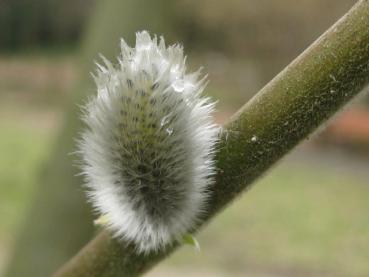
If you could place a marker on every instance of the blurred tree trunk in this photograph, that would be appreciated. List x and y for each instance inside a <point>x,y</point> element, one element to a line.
<point>60,223</point>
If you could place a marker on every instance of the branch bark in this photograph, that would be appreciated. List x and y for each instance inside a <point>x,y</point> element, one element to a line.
<point>307,92</point>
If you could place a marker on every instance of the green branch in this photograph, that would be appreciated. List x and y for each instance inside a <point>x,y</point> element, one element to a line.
<point>327,75</point>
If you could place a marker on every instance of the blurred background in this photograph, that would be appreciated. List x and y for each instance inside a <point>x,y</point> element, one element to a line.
<point>307,217</point>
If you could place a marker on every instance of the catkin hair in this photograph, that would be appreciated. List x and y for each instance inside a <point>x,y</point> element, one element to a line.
<point>148,146</point>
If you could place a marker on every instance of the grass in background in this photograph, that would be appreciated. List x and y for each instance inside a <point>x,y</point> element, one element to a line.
<point>297,221</point>
<point>32,88</point>
<point>23,149</point>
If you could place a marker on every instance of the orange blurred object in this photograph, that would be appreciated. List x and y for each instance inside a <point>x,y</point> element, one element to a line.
<point>351,127</point>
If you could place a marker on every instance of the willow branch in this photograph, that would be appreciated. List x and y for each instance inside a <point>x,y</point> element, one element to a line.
<point>307,92</point>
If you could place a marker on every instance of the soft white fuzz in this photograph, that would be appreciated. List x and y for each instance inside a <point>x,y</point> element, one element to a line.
<point>148,149</point>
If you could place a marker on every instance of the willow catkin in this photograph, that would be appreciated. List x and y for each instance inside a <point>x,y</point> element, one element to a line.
<point>148,147</point>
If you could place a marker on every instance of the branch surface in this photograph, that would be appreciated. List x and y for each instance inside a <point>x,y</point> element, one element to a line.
<point>306,93</point>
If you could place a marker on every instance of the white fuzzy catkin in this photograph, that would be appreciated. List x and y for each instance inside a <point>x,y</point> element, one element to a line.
<point>148,149</point>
